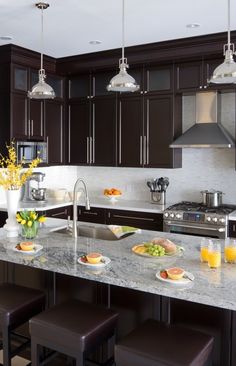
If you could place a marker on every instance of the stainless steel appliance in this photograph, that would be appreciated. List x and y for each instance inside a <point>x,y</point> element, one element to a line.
<point>158,189</point>
<point>212,198</point>
<point>29,150</point>
<point>192,218</point>
<point>34,194</point>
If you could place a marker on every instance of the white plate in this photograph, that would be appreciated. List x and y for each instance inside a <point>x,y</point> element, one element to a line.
<point>104,262</point>
<point>37,248</point>
<point>178,252</point>
<point>182,281</point>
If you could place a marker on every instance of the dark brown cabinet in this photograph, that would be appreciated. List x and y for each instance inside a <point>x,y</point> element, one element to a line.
<point>95,214</point>
<point>158,79</point>
<point>59,213</point>
<point>26,118</point>
<point>92,121</point>
<point>147,126</point>
<point>192,76</point>
<point>142,220</point>
<point>54,131</point>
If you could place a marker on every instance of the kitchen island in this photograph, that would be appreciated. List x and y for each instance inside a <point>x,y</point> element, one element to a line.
<point>60,254</point>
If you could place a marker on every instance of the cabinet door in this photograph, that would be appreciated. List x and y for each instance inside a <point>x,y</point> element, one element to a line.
<point>142,220</point>
<point>20,79</point>
<point>95,214</point>
<point>60,213</point>
<point>189,76</point>
<point>19,122</point>
<point>36,130</point>
<point>104,131</point>
<point>79,133</point>
<point>79,87</point>
<point>159,79</point>
<point>54,127</point>
<point>100,80</point>
<point>130,131</point>
<point>159,131</point>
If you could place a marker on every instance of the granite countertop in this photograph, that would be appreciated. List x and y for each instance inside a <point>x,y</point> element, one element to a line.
<point>232,216</point>
<point>120,204</point>
<point>61,252</point>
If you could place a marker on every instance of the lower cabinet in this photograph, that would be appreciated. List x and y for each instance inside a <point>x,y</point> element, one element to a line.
<point>142,220</point>
<point>3,217</point>
<point>59,213</point>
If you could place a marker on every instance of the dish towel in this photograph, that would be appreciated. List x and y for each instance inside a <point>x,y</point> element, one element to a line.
<point>120,231</point>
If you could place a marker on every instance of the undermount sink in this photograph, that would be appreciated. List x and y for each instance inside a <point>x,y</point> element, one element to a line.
<point>91,232</point>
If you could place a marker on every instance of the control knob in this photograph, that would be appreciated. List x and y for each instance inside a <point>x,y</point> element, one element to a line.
<point>222,220</point>
<point>209,218</point>
<point>215,219</point>
<point>178,216</point>
<point>166,214</point>
<point>172,215</point>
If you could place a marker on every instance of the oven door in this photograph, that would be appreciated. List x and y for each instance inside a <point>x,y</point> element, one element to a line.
<point>189,228</point>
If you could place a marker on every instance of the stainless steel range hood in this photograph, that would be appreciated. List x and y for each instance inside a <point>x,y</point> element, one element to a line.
<point>207,131</point>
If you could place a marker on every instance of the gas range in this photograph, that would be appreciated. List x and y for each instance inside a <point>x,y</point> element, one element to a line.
<point>194,218</point>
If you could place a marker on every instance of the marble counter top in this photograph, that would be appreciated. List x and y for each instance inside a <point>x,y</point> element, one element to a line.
<point>130,205</point>
<point>232,216</point>
<point>61,252</point>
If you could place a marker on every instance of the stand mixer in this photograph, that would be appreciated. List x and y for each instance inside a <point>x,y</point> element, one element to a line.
<point>34,194</point>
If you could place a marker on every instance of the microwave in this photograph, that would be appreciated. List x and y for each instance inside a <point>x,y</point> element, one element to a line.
<point>29,150</point>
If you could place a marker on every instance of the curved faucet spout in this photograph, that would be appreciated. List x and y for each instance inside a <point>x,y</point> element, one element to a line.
<point>87,204</point>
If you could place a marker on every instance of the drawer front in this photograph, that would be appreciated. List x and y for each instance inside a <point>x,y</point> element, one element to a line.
<point>96,215</point>
<point>232,229</point>
<point>142,220</point>
<point>60,213</point>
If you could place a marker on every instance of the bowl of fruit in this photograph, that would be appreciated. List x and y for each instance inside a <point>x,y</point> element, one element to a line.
<point>112,193</point>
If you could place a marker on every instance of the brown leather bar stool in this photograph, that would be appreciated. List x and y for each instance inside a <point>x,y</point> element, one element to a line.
<point>17,305</point>
<point>158,344</point>
<point>73,328</point>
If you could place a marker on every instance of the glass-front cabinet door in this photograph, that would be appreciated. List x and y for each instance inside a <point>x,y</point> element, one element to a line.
<point>20,77</point>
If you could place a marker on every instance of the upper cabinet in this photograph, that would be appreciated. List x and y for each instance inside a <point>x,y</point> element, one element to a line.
<point>195,75</point>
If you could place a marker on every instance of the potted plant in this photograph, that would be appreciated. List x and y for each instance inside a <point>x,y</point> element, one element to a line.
<point>13,175</point>
<point>29,221</point>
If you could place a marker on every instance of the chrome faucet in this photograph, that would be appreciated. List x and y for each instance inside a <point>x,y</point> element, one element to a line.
<point>87,205</point>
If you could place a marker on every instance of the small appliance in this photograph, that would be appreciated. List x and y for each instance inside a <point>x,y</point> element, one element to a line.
<point>30,193</point>
<point>30,150</point>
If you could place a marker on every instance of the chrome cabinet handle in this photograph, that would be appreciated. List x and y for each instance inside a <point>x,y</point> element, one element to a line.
<point>28,134</point>
<point>234,227</point>
<point>93,134</point>
<point>145,150</point>
<point>69,130</point>
<point>87,141</point>
<point>91,150</point>
<point>147,137</point>
<point>141,151</point>
<point>120,134</point>
<point>32,128</point>
<point>90,213</point>
<point>134,217</point>
<point>47,154</point>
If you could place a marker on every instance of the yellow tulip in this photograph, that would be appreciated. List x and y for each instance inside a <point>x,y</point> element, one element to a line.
<point>42,219</point>
<point>23,222</point>
<point>29,223</point>
<point>18,218</point>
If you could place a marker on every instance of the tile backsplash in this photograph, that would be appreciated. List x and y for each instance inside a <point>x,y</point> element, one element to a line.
<point>202,168</point>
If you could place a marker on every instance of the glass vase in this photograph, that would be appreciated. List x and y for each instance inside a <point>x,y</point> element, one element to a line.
<point>30,232</point>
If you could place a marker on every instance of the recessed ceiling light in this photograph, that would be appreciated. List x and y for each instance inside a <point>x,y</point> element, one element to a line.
<point>5,38</point>
<point>94,42</point>
<point>193,25</point>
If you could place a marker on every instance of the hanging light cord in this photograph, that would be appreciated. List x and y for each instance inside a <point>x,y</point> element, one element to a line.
<point>123,31</point>
<point>228,24</point>
<point>41,59</point>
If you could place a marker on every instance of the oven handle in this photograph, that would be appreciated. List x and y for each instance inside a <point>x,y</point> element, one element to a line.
<point>221,229</point>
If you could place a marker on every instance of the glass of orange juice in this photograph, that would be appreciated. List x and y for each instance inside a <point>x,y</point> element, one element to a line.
<point>214,254</point>
<point>230,250</point>
<point>204,250</point>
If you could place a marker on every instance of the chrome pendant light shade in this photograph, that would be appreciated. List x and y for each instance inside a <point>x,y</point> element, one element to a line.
<point>226,72</point>
<point>123,82</point>
<point>41,90</point>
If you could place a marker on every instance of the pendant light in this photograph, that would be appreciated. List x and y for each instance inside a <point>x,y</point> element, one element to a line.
<point>41,90</point>
<point>123,82</point>
<point>226,72</point>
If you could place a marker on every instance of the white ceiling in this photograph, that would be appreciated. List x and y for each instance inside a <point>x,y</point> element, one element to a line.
<point>71,24</point>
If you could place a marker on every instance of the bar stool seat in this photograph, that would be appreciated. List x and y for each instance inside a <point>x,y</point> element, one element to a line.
<point>17,305</point>
<point>72,328</point>
<point>157,344</point>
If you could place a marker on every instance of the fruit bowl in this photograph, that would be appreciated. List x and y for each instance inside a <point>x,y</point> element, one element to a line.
<point>112,197</point>
<point>112,194</point>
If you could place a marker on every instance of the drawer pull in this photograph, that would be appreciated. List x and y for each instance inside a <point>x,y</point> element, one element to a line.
<point>90,213</point>
<point>134,217</point>
<point>59,213</point>
<point>234,227</point>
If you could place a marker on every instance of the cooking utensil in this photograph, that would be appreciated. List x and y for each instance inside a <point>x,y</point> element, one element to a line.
<point>212,198</point>
<point>163,183</point>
